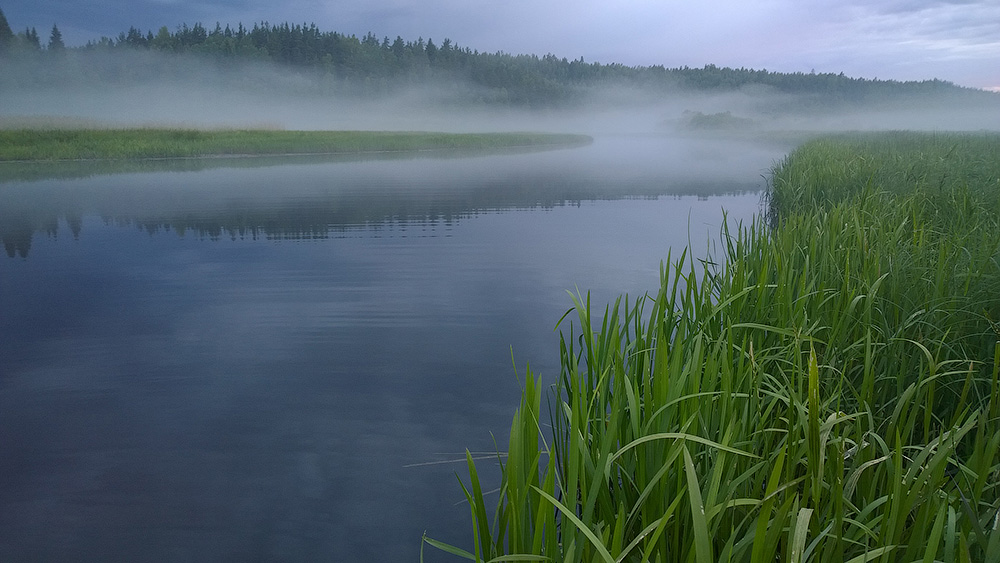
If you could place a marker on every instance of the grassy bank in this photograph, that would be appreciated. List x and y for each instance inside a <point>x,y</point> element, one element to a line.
<point>825,389</point>
<point>75,144</point>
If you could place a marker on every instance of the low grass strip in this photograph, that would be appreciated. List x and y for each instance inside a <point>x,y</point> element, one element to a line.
<point>89,144</point>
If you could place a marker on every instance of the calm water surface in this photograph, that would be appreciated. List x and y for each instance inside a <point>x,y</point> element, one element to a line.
<point>275,361</point>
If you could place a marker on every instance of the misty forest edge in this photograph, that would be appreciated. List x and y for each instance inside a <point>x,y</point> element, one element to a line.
<point>370,66</point>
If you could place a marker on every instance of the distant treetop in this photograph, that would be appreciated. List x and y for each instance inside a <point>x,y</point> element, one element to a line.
<point>6,34</point>
<point>382,65</point>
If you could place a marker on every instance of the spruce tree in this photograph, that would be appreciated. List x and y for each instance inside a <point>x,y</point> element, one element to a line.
<point>6,33</point>
<point>31,38</point>
<point>55,40</point>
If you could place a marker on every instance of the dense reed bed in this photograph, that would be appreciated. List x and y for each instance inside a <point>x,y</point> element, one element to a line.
<point>82,144</point>
<point>824,389</point>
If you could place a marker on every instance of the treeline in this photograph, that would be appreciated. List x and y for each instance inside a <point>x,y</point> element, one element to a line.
<point>371,65</point>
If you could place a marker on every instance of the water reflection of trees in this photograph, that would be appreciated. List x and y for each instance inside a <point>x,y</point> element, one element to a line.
<point>285,213</point>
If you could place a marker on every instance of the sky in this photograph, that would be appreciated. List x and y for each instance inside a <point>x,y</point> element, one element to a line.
<point>954,40</point>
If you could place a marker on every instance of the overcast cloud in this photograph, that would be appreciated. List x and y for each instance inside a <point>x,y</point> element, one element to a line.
<point>955,40</point>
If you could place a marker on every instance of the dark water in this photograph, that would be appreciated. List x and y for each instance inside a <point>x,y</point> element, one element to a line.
<point>260,361</point>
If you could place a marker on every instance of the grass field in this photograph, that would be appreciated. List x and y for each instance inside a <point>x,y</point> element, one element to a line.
<point>84,144</point>
<point>825,388</point>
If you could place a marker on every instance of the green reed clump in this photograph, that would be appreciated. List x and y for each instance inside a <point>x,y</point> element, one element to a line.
<point>84,144</point>
<point>828,391</point>
<point>829,170</point>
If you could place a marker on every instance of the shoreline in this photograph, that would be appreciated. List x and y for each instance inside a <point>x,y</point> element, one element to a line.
<point>36,146</point>
<point>827,369</point>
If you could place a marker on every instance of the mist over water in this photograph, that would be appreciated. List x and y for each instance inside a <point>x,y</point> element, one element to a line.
<point>281,361</point>
<point>147,88</point>
<point>279,358</point>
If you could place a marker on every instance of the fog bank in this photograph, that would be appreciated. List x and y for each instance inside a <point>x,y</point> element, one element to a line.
<point>147,88</point>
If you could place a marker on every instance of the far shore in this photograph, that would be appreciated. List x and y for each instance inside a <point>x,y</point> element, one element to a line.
<point>51,145</point>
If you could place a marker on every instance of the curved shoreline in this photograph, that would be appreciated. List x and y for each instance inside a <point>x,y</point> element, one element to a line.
<point>96,145</point>
<point>236,156</point>
<point>827,369</point>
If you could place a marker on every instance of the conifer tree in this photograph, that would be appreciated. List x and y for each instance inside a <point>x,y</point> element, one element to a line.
<point>55,40</point>
<point>6,33</point>
<point>31,38</point>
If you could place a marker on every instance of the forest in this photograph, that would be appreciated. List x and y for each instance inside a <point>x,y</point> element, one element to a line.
<point>369,65</point>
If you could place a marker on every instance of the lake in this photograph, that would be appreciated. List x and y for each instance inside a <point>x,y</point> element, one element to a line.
<point>281,359</point>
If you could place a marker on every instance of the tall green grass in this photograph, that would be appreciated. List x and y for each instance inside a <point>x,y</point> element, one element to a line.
<point>82,144</point>
<point>827,388</point>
